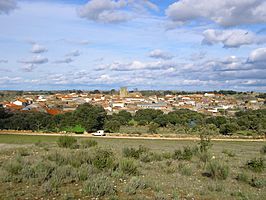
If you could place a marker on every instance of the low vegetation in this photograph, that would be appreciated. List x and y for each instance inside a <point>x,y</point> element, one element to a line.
<point>116,169</point>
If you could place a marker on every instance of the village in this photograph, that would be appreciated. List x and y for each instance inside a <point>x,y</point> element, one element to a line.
<point>214,104</point>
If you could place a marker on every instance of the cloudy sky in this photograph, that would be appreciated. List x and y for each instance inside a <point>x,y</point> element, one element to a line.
<point>144,44</point>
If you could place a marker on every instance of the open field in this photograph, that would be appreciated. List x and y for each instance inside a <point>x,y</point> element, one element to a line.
<point>34,167</point>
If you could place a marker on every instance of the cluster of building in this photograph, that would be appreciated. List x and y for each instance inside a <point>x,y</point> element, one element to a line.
<point>208,103</point>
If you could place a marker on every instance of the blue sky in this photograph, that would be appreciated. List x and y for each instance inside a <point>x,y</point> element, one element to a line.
<point>105,44</point>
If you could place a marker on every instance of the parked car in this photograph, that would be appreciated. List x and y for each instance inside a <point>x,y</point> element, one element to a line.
<point>99,133</point>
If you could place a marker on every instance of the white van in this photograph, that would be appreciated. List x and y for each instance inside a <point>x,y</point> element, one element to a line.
<point>99,133</point>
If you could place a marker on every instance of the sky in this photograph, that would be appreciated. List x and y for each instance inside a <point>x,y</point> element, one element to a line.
<point>146,44</point>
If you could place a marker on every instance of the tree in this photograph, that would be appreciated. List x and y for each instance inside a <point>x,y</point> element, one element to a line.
<point>123,117</point>
<point>229,128</point>
<point>112,126</point>
<point>147,115</point>
<point>153,128</point>
<point>90,117</point>
<point>162,120</point>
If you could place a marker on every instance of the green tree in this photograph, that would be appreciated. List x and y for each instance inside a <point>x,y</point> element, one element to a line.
<point>112,126</point>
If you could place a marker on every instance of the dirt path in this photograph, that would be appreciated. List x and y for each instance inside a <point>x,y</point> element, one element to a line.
<point>137,137</point>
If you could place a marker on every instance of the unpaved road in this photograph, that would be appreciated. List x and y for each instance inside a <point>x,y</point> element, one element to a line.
<point>138,137</point>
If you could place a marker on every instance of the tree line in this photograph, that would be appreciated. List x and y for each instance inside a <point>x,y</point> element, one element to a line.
<point>91,118</point>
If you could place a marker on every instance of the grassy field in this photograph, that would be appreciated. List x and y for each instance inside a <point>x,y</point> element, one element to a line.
<point>35,167</point>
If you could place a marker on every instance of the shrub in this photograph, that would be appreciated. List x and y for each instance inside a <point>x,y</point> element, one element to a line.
<point>67,142</point>
<point>166,155</point>
<point>23,152</point>
<point>43,171</point>
<point>184,169</point>
<point>150,156</point>
<point>134,153</point>
<point>88,143</point>
<point>128,166</point>
<point>13,167</point>
<point>242,177</point>
<point>99,186</point>
<point>4,176</point>
<point>228,153</point>
<point>177,154</point>
<point>153,128</point>
<point>65,174</point>
<point>134,184</point>
<point>187,153</point>
<point>204,157</point>
<point>85,171</point>
<point>51,185</point>
<point>215,187</point>
<point>130,152</point>
<point>103,158</point>
<point>205,142</point>
<point>263,150</point>
<point>216,170</point>
<point>160,196</point>
<point>257,182</point>
<point>256,164</point>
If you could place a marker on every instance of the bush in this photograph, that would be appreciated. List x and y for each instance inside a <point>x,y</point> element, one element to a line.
<point>13,167</point>
<point>216,170</point>
<point>134,153</point>
<point>88,143</point>
<point>177,154</point>
<point>242,177</point>
<point>99,186</point>
<point>187,154</point>
<point>257,182</point>
<point>160,196</point>
<point>134,184</point>
<point>128,166</point>
<point>23,152</point>
<point>151,156</point>
<point>205,142</point>
<point>43,171</point>
<point>228,153</point>
<point>103,159</point>
<point>153,128</point>
<point>65,174</point>
<point>263,150</point>
<point>185,169</point>
<point>204,157</point>
<point>67,142</point>
<point>256,164</point>
<point>85,171</point>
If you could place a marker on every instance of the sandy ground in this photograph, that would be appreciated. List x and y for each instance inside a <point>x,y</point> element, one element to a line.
<point>11,146</point>
<point>135,137</point>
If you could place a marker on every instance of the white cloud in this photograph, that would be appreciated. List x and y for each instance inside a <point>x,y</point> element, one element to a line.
<point>159,54</point>
<point>36,48</point>
<point>138,65</point>
<point>3,61</point>
<point>232,38</point>
<point>258,56</point>
<point>10,80</point>
<point>222,12</point>
<point>113,11</point>
<point>73,53</point>
<point>65,60</point>
<point>29,68</point>
<point>34,60</point>
<point>7,5</point>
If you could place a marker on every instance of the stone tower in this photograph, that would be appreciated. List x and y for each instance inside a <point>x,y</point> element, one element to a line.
<point>123,92</point>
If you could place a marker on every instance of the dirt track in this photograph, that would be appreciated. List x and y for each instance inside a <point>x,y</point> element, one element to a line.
<point>137,137</point>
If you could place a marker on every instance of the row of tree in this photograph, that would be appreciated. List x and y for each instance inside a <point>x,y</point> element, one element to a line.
<point>92,118</point>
